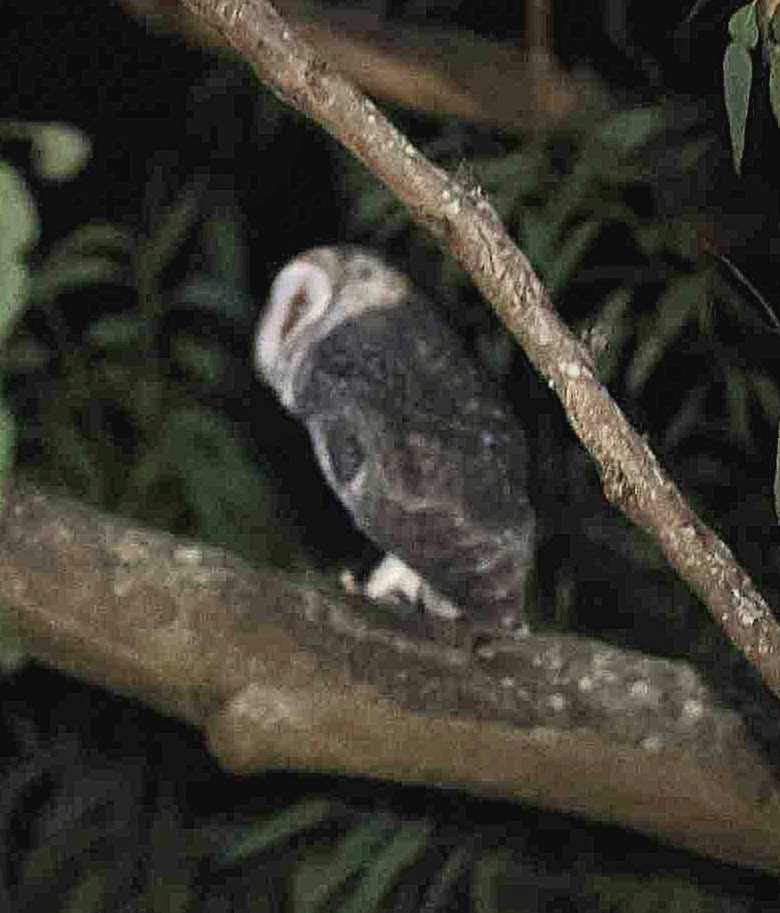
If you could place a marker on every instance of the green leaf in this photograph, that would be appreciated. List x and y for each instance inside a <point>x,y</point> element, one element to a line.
<point>650,237</point>
<point>197,357</point>
<point>633,127</point>
<point>25,353</point>
<point>170,232</point>
<point>90,893</point>
<point>687,416</point>
<point>72,271</point>
<point>608,209</point>
<point>169,893</point>
<point>570,254</point>
<point>612,321</point>
<point>767,394</point>
<point>537,239</point>
<point>692,151</point>
<point>19,227</point>
<point>629,894</point>
<point>743,28</point>
<point>224,490</point>
<point>60,151</point>
<point>737,402</point>
<point>14,293</point>
<point>376,204</point>
<point>276,830</point>
<point>520,172</point>
<point>573,195</point>
<point>408,844</point>
<point>774,80</point>
<point>75,460</point>
<point>221,239</point>
<point>119,331</point>
<point>316,880</point>
<point>216,293</point>
<point>737,76</point>
<point>96,237</point>
<point>488,871</point>
<point>141,392</point>
<point>620,173</point>
<point>679,304</point>
<point>146,472</point>
<point>683,233</point>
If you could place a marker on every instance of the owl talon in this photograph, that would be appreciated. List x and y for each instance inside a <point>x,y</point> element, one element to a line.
<point>394,581</point>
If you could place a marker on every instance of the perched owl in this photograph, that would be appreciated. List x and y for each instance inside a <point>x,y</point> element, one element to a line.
<point>409,431</point>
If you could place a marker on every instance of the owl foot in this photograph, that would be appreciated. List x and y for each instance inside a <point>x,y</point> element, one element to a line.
<point>393,581</point>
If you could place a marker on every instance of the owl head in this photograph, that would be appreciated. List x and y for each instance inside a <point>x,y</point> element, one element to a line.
<point>311,295</point>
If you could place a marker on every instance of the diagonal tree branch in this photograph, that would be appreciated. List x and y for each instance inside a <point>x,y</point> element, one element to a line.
<point>469,227</point>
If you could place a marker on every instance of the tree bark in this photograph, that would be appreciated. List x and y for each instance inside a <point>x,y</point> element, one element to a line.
<point>287,671</point>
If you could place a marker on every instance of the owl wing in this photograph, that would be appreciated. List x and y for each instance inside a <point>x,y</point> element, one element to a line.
<point>427,458</point>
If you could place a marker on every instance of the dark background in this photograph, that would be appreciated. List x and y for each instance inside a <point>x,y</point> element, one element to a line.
<point>148,102</point>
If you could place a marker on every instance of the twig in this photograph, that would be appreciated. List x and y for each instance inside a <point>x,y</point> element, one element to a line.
<point>747,284</point>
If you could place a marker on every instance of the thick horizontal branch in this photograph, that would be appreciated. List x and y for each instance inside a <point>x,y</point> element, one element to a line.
<point>469,227</point>
<point>281,671</point>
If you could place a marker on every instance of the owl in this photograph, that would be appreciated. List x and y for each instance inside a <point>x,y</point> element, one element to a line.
<point>416,442</point>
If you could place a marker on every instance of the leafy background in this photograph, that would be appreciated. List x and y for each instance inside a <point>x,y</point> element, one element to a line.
<point>127,326</point>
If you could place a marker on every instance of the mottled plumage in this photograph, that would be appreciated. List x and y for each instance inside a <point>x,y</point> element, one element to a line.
<point>411,434</point>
